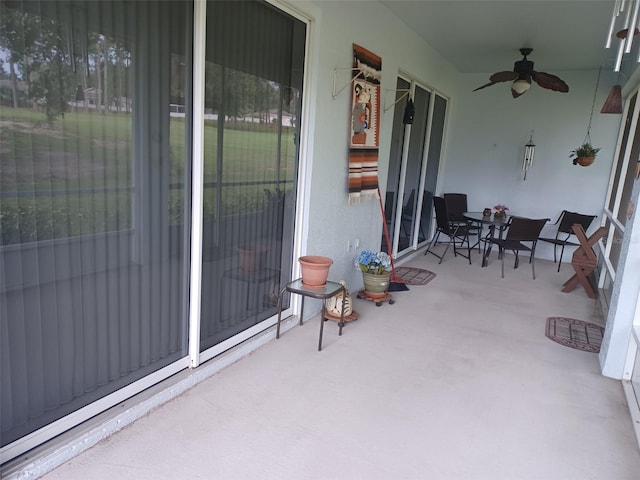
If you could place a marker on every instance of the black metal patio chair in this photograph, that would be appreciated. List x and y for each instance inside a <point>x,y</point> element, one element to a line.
<point>566,221</point>
<point>453,231</point>
<point>522,235</point>
<point>457,207</point>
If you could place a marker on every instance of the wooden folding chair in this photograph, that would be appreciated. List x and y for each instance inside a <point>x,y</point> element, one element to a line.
<point>584,260</point>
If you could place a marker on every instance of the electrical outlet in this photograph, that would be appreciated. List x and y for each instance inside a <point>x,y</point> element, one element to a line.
<point>348,245</point>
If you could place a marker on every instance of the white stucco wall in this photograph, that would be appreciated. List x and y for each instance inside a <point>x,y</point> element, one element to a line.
<point>488,132</point>
<point>487,164</point>
<point>484,141</point>
<point>330,222</point>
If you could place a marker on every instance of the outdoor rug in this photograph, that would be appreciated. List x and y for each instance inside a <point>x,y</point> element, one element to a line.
<point>414,276</point>
<point>575,333</point>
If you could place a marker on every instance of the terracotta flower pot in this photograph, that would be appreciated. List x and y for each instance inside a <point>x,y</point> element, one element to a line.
<point>315,270</point>
<point>251,257</point>
<point>585,161</point>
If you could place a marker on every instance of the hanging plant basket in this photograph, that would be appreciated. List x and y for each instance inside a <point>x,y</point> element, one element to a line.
<point>585,154</point>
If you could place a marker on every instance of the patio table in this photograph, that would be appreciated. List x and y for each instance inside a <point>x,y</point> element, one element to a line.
<point>493,223</point>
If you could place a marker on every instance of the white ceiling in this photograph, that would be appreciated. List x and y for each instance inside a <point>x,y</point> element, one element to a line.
<point>484,36</point>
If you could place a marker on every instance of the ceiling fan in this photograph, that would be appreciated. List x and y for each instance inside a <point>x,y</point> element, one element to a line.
<point>522,75</point>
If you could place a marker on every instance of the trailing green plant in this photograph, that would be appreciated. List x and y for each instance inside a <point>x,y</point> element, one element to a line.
<point>584,150</point>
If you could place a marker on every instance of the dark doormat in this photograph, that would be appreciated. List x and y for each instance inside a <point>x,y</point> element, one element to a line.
<point>575,333</point>
<point>415,276</point>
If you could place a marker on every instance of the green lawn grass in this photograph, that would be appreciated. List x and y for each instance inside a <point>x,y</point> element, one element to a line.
<point>75,175</point>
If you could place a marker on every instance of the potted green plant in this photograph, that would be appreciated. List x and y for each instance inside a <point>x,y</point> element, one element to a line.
<point>375,272</point>
<point>584,155</point>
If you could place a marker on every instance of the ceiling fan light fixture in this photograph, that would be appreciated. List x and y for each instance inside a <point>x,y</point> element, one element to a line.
<point>520,86</point>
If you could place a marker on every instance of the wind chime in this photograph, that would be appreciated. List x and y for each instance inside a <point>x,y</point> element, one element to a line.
<point>527,161</point>
<point>627,10</point>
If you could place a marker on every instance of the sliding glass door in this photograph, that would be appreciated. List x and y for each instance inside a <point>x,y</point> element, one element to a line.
<point>253,91</point>
<point>93,175</point>
<point>413,166</point>
<point>96,140</point>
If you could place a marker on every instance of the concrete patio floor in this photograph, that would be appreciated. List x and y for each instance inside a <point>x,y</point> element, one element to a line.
<point>456,380</point>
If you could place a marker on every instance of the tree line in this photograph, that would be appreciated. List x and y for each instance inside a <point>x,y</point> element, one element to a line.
<point>50,69</point>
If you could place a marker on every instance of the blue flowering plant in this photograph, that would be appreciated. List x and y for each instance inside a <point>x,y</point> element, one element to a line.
<point>369,261</point>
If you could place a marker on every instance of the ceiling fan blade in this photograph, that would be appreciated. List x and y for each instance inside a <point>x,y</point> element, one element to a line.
<point>546,80</point>
<point>506,76</point>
